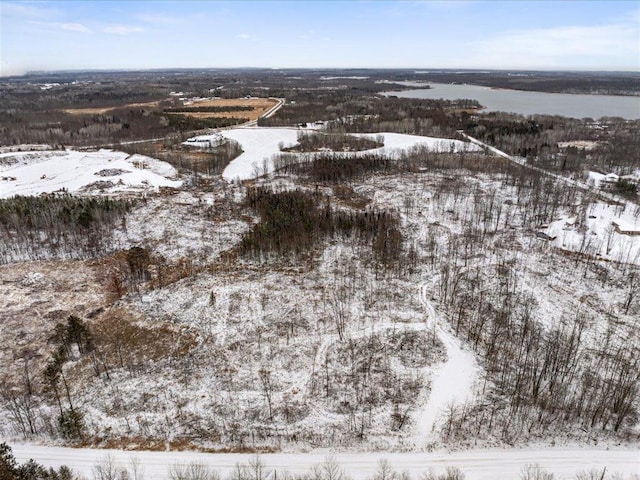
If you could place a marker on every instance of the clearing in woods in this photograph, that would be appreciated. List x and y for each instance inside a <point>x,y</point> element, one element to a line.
<point>101,110</point>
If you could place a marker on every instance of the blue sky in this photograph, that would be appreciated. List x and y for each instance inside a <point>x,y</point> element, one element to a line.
<point>516,34</point>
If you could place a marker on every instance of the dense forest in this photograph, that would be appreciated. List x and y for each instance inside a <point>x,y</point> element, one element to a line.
<point>58,226</point>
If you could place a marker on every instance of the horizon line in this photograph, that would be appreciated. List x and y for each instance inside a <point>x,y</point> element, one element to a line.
<point>415,69</point>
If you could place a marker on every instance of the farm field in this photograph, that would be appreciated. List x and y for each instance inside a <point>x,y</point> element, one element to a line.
<point>101,110</point>
<point>252,108</point>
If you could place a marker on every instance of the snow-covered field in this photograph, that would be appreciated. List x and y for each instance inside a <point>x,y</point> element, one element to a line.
<point>33,173</point>
<point>475,464</point>
<point>261,144</point>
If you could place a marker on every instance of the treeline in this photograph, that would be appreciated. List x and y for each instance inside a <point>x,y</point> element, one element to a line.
<point>211,161</point>
<point>336,168</point>
<point>186,122</point>
<point>293,222</point>
<point>316,141</point>
<point>58,226</point>
<point>25,94</point>
<point>113,127</point>
<point>536,138</point>
<point>351,113</point>
<point>623,83</point>
<point>58,127</point>
<point>117,125</point>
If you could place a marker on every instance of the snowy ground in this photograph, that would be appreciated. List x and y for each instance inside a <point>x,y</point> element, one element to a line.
<point>33,173</point>
<point>452,383</point>
<point>475,464</point>
<point>185,225</point>
<point>592,231</point>
<point>244,317</point>
<point>261,144</point>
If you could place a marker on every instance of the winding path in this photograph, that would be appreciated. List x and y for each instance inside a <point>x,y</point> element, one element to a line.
<point>452,382</point>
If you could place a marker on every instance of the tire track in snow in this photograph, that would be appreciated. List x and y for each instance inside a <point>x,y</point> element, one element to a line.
<point>451,383</point>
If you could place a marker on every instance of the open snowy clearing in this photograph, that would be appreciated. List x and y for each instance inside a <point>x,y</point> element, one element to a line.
<point>33,173</point>
<point>261,144</point>
<point>475,464</point>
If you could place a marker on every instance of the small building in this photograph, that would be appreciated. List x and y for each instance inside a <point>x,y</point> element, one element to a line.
<point>625,228</point>
<point>611,178</point>
<point>545,236</point>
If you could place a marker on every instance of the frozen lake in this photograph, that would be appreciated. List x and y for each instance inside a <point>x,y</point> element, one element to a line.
<point>529,103</point>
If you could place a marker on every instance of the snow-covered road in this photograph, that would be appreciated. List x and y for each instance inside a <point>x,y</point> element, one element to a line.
<point>476,464</point>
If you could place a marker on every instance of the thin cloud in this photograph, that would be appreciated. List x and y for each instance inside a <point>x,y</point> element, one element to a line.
<point>560,47</point>
<point>122,29</point>
<point>443,4</point>
<point>159,19</point>
<point>244,36</point>
<point>24,10</point>
<point>416,8</point>
<point>54,27</point>
<point>74,27</point>
<point>308,35</point>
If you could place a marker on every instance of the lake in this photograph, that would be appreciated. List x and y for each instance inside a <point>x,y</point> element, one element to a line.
<point>529,103</point>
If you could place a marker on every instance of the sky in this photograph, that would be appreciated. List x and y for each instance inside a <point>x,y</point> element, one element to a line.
<point>477,34</point>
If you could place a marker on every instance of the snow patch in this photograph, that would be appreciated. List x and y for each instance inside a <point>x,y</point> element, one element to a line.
<point>261,144</point>
<point>599,231</point>
<point>34,173</point>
